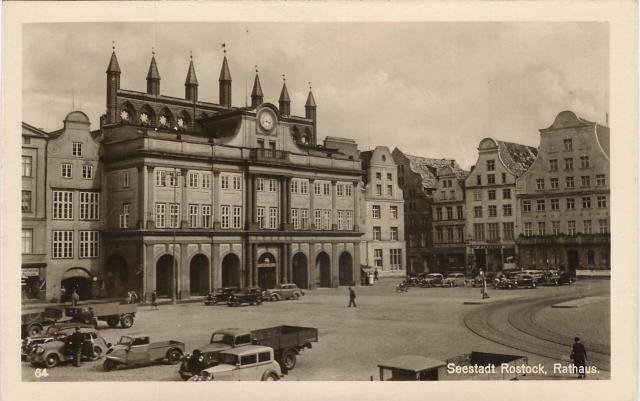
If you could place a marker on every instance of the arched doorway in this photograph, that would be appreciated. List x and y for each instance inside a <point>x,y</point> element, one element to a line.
<point>117,282</point>
<point>79,279</point>
<point>199,275</point>
<point>231,271</point>
<point>164,276</point>
<point>267,274</point>
<point>300,270</point>
<point>323,266</point>
<point>345,269</point>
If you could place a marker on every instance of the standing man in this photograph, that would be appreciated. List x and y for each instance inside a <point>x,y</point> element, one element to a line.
<point>375,275</point>
<point>154,300</point>
<point>76,346</point>
<point>75,297</point>
<point>579,356</point>
<point>352,298</point>
<point>63,294</point>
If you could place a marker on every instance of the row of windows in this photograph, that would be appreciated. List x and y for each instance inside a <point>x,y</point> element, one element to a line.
<point>493,231</point>
<point>377,233</point>
<point>67,171</point>
<point>491,179</point>
<point>569,182</point>
<point>379,176</point>
<point>570,203</point>
<point>272,218</point>
<point>449,234</point>
<point>376,211</point>
<point>63,244</point>
<point>587,227</point>
<point>568,163</point>
<point>492,211</point>
<point>449,213</point>
<point>492,194</point>
<point>395,258</point>
<point>413,240</point>
<point>63,205</point>
<point>388,192</point>
<point>166,178</point>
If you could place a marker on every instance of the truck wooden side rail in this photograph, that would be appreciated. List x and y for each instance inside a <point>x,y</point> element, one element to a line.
<point>286,341</point>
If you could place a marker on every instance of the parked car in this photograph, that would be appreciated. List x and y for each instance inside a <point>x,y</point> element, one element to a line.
<point>55,352</point>
<point>249,295</point>
<point>537,275</point>
<point>455,280</point>
<point>220,295</point>
<point>432,280</point>
<point>249,363</point>
<point>556,278</point>
<point>283,291</point>
<point>54,332</point>
<point>287,342</point>
<point>518,281</point>
<point>139,350</point>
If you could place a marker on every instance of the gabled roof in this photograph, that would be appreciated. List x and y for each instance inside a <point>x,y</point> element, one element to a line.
<point>458,173</point>
<point>515,157</point>
<point>34,131</point>
<point>428,168</point>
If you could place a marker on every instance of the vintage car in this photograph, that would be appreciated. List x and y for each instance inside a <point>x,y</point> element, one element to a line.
<point>139,350</point>
<point>556,278</point>
<point>283,291</point>
<point>455,280</point>
<point>249,295</point>
<point>55,352</point>
<point>55,332</point>
<point>518,281</point>
<point>432,280</point>
<point>220,295</point>
<point>248,363</point>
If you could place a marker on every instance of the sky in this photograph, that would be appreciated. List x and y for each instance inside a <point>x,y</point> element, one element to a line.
<point>432,89</point>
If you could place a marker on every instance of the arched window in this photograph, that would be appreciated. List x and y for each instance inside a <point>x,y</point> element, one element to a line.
<point>166,119</point>
<point>184,121</point>
<point>127,113</point>
<point>147,116</point>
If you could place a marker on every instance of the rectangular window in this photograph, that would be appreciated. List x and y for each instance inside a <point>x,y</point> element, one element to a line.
<point>89,205</point>
<point>378,190</point>
<point>540,184</point>
<point>378,176</point>
<point>526,206</point>
<point>124,216</point>
<point>237,216</point>
<point>317,189</point>
<point>87,171</point>
<point>460,233</point>
<point>602,201</point>
<point>326,219</point>
<point>585,181</point>
<point>555,204</point>
<point>349,220</point>
<point>477,195</point>
<point>395,256</point>
<point>506,193</point>
<point>492,194</point>
<point>304,219</point>
<point>377,257</point>
<point>491,179</point>
<point>478,180</point>
<point>493,211</point>
<point>459,213</point>
<point>295,219</point>
<point>604,226</point>
<point>554,183</point>
<point>295,186</point>
<point>375,211</point>
<point>601,180</point>
<point>477,211</point>
<point>326,189</point>
<point>568,164</point>
<point>393,211</point>
<point>273,185</point>
<point>225,214</point>
<point>89,244</point>
<point>194,179</point>
<point>439,235</point>
<point>206,216</point>
<point>504,178</point>
<point>304,187</point>
<point>237,183</point>
<point>193,216</point>
<point>584,162</point>
<point>259,184</point>
<point>318,219</point>
<point>586,202</point>
<point>273,218</point>
<point>63,205</point>
<point>161,178</point>
<point>67,170</point>
<point>389,176</point>
<point>394,233</point>
<point>160,215</point>
<point>26,201</point>
<point>587,226</point>
<point>438,213</point>
<point>478,231</point>
<point>553,165</point>
<point>126,179</point>
<point>348,190</point>
<point>260,215</point>
<point>340,219</point>
<point>569,182</point>
<point>452,195</point>
<point>27,241</point>
<point>62,245</point>
<point>27,165</point>
<point>571,203</point>
<point>542,228</point>
<point>449,213</point>
<point>377,233</point>
<point>555,227</point>
<point>76,149</point>
<point>389,190</point>
<point>174,215</point>
<point>528,231</point>
<point>206,181</point>
<point>494,231</point>
<point>507,231</point>
<point>540,205</point>
<point>506,210</point>
<point>568,145</point>
<point>571,227</point>
<point>224,181</point>
<point>340,190</point>
<point>491,165</point>
<point>171,178</point>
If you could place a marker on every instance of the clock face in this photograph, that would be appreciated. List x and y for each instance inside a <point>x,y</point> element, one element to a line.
<point>266,120</point>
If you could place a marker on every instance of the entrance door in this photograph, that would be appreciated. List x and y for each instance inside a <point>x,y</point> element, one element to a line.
<point>323,265</point>
<point>300,270</point>
<point>573,260</point>
<point>231,271</point>
<point>267,272</point>
<point>199,275</point>
<point>345,272</point>
<point>164,276</point>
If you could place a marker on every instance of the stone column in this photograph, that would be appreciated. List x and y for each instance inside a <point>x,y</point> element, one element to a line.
<point>312,213</point>
<point>254,201</point>
<point>335,266</point>
<point>356,208</point>
<point>356,263</point>
<point>312,274</point>
<point>216,268</point>
<point>287,247</point>
<point>334,211</point>
<point>284,206</point>
<point>184,207</point>
<point>143,188</point>
<point>249,201</point>
<point>149,271</point>
<point>150,199</point>
<point>287,192</point>
<point>254,268</point>
<point>184,288</point>
<point>215,194</point>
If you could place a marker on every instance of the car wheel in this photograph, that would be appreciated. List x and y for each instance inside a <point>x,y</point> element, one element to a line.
<point>274,298</point>
<point>296,296</point>
<point>34,330</point>
<point>510,286</point>
<point>97,353</point>
<point>174,356</point>
<point>51,360</point>
<point>270,377</point>
<point>109,365</point>
<point>112,322</point>
<point>452,285</point>
<point>533,285</point>
<point>126,321</point>
<point>289,360</point>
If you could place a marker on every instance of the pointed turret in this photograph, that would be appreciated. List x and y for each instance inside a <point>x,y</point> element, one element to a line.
<point>225,83</point>
<point>113,84</point>
<point>310,113</point>
<point>153,77</point>
<point>284,101</point>
<point>257,97</point>
<point>191,83</point>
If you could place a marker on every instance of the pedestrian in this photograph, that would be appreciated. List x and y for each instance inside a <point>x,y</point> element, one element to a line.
<point>77,344</point>
<point>352,298</point>
<point>375,275</point>
<point>75,297</point>
<point>63,294</point>
<point>579,357</point>
<point>154,300</point>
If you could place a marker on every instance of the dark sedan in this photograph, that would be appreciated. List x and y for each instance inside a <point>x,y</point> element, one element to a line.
<point>220,295</point>
<point>250,295</point>
<point>556,278</point>
<point>517,281</point>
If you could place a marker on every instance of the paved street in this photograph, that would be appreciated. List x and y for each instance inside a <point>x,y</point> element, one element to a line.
<point>432,322</point>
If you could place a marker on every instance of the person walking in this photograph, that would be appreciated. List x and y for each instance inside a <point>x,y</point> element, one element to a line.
<point>352,298</point>
<point>375,275</point>
<point>75,297</point>
<point>76,344</point>
<point>579,357</point>
<point>154,300</point>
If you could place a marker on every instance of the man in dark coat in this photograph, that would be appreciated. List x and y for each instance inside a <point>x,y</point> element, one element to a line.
<point>579,356</point>
<point>352,297</point>
<point>76,344</point>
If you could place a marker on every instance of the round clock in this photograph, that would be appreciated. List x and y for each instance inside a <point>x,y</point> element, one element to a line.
<point>267,120</point>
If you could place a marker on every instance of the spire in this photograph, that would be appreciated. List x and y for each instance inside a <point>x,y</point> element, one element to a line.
<point>153,76</point>
<point>225,75</point>
<point>113,85</point>
<point>284,101</point>
<point>225,81</point>
<point>256,94</point>
<point>311,102</point>
<point>113,63</point>
<point>191,83</point>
